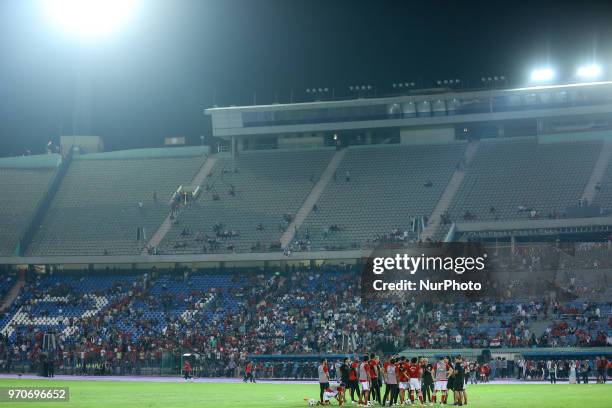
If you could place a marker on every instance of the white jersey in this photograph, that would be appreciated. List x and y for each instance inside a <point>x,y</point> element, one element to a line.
<point>442,371</point>
<point>391,377</point>
<point>363,373</point>
<point>323,377</point>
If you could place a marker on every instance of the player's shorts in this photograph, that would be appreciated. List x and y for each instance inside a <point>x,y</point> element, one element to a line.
<point>403,385</point>
<point>415,384</point>
<point>365,385</point>
<point>329,395</point>
<point>440,385</point>
<point>458,385</point>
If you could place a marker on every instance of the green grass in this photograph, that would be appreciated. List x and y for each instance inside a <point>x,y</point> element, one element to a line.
<point>184,395</point>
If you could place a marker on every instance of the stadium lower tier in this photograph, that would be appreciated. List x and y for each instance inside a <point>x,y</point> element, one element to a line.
<point>142,319</point>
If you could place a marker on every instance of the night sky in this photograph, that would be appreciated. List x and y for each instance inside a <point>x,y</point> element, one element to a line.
<point>153,78</point>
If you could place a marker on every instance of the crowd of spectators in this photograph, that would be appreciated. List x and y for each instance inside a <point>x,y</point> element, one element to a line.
<point>305,311</point>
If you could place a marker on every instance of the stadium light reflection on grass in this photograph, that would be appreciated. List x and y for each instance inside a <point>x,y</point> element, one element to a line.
<point>89,18</point>
<point>542,74</point>
<point>589,71</point>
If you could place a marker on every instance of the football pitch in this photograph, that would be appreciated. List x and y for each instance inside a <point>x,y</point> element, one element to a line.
<point>143,394</point>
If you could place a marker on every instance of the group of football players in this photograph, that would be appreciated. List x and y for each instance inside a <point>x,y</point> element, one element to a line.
<point>406,381</point>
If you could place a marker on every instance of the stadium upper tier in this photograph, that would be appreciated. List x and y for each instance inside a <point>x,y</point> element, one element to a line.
<point>247,201</point>
<point>378,190</point>
<point>510,179</point>
<point>113,203</point>
<point>604,195</point>
<point>23,183</point>
<point>97,208</point>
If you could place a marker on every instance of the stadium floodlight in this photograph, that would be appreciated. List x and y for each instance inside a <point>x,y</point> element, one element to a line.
<point>89,18</point>
<point>542,74</point>
<point>589,71</point>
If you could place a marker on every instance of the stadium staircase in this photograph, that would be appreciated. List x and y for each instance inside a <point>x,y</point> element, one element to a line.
<point>539,326</point>
<point>598,173</point>
<point>206,169</point>
<point>312,198</point>
<point>435,220</point>
<point>163,229</point>
<point>45,203</point>
<point>13,293</point>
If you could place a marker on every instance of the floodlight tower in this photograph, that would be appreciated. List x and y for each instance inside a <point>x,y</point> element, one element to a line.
<point>589,72</point>
<point>89,19</point>
<point>543,74</point>
<point>86,23</point>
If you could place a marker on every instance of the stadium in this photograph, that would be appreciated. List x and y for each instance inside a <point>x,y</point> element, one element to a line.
<point>431,243</point>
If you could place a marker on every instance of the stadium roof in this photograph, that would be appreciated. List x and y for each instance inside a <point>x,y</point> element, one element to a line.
<point>432,93</point>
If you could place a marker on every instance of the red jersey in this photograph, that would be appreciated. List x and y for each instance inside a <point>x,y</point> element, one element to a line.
<point>414,371</point>
<point>249,368</point>
<point>373,364</point>
<point>403,372</point>
<point>353,372</point>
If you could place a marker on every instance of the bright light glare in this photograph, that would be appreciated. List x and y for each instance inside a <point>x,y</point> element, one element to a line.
<point>542,74</point>
<point>89,18</point>
<point>589,71</point>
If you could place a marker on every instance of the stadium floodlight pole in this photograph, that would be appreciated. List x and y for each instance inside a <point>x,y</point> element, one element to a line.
<point>493,81</point>
<point>319,93</point>
<point>403,87</point>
